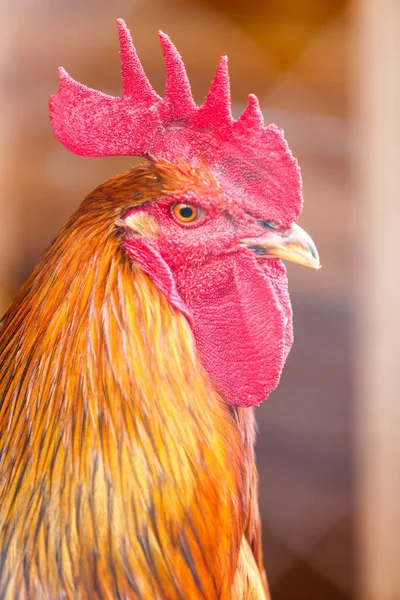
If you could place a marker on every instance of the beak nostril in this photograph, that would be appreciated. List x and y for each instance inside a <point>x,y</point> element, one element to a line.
<point>292,244</point>
<point>267,224</point>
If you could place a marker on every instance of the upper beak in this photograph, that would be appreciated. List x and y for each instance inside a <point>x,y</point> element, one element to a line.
<point>292,244</point>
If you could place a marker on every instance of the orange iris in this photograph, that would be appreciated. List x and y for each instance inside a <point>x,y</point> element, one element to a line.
<point>186,213</point>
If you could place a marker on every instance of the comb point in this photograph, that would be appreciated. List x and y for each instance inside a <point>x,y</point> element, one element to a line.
<point>62,74</point>
<point>134,81</point>
<point>177,86</point>
<point>68,83</point>
<point>251,117</point>
<point>217,105</point>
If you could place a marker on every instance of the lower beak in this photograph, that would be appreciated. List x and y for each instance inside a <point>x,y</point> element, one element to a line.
<point>293,244</point>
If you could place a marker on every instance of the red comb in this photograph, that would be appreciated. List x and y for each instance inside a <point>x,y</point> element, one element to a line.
<point>251,161</point>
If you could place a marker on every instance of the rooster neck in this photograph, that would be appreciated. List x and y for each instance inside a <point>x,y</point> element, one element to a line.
<point>116,449</point>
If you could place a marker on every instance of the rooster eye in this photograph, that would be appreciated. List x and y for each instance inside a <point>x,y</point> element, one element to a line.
<point>186,213</point>
<point>268,224</point>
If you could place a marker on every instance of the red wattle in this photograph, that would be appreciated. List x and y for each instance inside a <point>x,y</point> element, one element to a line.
<point>243,328</point>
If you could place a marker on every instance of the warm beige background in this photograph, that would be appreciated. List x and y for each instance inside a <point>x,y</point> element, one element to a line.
<point>299,57</point>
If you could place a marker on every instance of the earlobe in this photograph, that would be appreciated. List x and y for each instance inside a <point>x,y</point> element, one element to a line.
<point>146,254</point>
<point>140,223</point>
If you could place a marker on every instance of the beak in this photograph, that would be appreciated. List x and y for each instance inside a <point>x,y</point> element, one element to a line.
<point>293,244</point>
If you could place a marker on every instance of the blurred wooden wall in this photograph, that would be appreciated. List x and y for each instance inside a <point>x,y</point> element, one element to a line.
<point>8,214</point>
<point>376,110</point>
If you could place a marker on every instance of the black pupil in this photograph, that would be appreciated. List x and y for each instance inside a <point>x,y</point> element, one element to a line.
<point>186,212</point>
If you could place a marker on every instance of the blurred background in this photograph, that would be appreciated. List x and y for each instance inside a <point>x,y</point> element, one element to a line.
<point>326,71</point>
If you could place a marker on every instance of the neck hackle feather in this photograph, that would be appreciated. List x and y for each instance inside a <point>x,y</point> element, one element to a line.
<point>117,484</point>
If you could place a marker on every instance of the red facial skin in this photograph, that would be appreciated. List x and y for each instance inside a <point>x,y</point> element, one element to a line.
<point>237,304</point>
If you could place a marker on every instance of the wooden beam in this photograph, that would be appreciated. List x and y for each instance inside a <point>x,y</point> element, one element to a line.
<point>375,80</point>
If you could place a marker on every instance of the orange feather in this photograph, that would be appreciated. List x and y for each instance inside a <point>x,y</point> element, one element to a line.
<point>122,472</point>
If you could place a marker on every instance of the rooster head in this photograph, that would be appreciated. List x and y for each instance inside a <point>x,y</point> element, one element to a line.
<point>213,238</point>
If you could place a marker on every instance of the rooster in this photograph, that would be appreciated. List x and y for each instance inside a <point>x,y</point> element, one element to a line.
<point>132,357</point>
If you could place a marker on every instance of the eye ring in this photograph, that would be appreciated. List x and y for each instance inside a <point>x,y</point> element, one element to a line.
<point>186,213</point>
